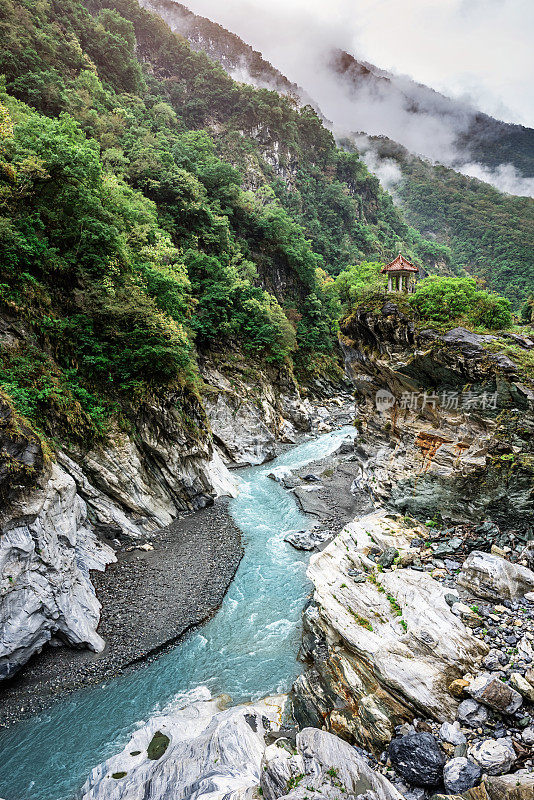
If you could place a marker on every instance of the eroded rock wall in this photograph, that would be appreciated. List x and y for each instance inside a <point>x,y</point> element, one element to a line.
<point>47,548</point>
<point>458,438</point>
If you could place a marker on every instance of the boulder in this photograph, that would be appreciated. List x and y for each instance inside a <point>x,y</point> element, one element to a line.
<point>388,556</point>
<point>522,685</point>
<point>493,756</point>
<point>323,766</point>
<point>519,786</point>
<point>460,774</point>
<point>418,758</point>
<point>494,660</point>
<point>458,687</point>
<point>207,752</point>
<point>472,713</point>
<point>491,691</point>
<point>307,540</point>
<point>452,733</point>
<point>490,576</point>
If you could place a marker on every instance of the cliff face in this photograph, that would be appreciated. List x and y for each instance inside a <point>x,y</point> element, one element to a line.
<point>454,434</point>
<point>399,624</point>
<point>47,547</point>
<point>61,515</point>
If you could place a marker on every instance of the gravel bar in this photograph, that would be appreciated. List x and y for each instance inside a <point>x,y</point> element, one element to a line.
<point>149,600</point>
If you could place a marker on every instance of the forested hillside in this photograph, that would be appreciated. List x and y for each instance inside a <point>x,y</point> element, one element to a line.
<point>150,206</point>
<point>489,233</point>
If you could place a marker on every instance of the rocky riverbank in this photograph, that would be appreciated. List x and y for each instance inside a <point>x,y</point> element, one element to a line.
<point>420,649</point>
<point>419,685</point>
<point>155,592</point>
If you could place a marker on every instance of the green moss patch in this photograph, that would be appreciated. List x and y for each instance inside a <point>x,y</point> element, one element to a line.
<point>158,745</point>
<point>119,775</point>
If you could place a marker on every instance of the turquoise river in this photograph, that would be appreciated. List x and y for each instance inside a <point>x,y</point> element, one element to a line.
<point>247,650</point>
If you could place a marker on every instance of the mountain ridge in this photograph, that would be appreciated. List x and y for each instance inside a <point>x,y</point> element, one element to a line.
<point>488,231</point>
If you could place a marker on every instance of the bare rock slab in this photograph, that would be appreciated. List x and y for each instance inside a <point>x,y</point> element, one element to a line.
<point>323,766</point>
<point>201,750</point>
<point>388,645</point>
<point>488,575</point>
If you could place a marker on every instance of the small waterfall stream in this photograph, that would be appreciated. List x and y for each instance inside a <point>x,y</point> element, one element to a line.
<point>247,650</point>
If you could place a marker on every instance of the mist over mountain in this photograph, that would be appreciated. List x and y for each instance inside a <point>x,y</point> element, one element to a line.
<point>429,124</point>
<point>461,177</point>
<point>359,97</point>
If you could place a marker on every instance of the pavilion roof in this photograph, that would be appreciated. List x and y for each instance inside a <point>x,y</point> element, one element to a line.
<point>400,264</point>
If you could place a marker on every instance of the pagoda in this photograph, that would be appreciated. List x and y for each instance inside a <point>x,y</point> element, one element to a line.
<point>400,273</point>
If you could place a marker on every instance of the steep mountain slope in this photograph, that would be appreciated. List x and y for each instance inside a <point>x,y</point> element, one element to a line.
<point>488,232</point>
<point>166,237</point>
<point>240,60</point>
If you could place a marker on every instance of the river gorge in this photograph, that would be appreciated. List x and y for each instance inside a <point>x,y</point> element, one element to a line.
<point>247,650</point>
<point>397,662</point>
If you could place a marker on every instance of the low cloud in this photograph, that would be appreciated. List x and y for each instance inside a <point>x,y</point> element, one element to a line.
<point>469,48</point>
<point>505,177</point>
<point>476,50</point>
<point>386,170</point>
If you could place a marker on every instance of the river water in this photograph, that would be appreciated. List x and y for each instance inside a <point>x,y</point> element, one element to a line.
<point>247,650</point>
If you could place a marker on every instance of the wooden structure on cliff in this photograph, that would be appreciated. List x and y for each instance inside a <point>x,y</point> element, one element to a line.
<point>401,275</point>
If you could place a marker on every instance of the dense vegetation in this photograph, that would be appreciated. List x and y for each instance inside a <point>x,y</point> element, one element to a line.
<point>489,233</point>
<point>446,300</point>
<point>150,206</point>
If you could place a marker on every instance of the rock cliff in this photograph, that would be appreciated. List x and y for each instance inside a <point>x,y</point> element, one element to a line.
<point>454,432</point>
<point>61,515</point>
<point>47,547</point>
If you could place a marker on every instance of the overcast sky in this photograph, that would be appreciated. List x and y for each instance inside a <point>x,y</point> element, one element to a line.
<point>479,50</point>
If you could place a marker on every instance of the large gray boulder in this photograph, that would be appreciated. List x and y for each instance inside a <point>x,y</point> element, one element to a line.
<point>46,551</point>
<point>493,756</point>
<point>460,774</point>
<point>491,691</point>
<point>490,576</point>
<point>322,766</point>
<point>199,751</point>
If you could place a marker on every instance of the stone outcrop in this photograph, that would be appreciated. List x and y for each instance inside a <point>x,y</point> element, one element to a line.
<point>206,751</point>
<point>455,433</point>
<point>249,413</point>
<point>382,646</point>
<point>489,575</point>
<point>47,548</point>
<point>55,515</point>
<point>320,766</point>
<point>201,750</point>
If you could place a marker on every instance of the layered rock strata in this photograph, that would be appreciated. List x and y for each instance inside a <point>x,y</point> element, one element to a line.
<point>205,750</point>
<point>452,430</point>
<point>383,646</point>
